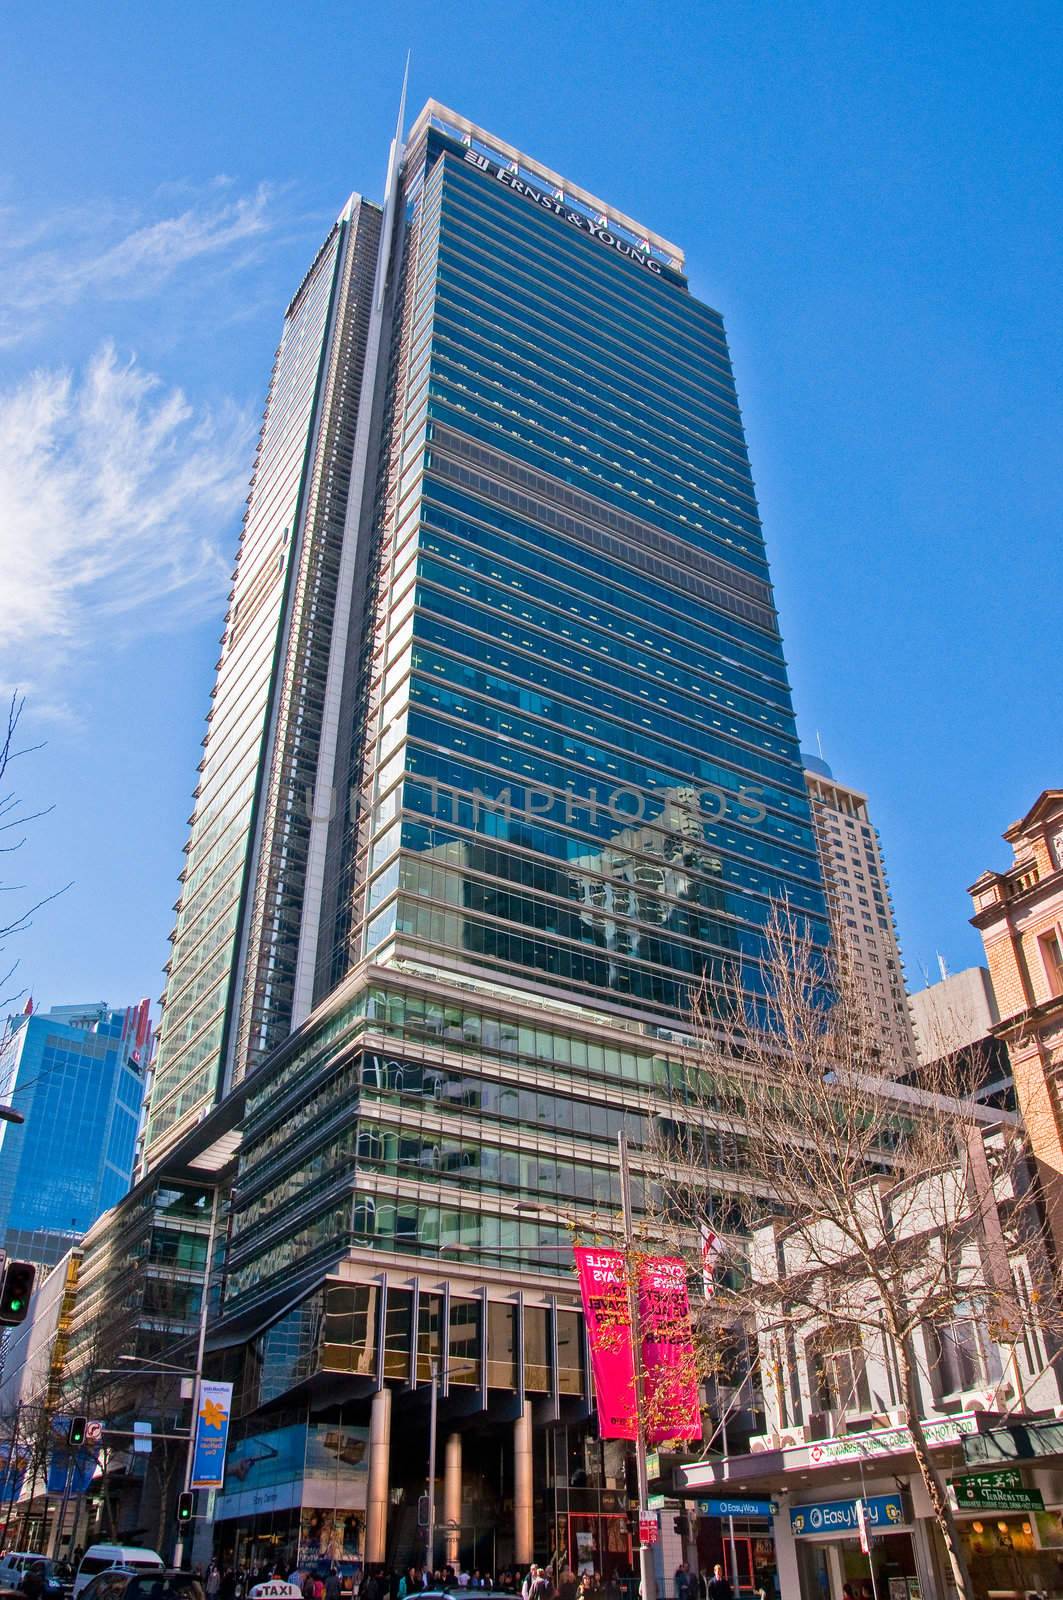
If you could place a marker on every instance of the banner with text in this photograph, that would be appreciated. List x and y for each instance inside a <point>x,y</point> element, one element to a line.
<point>670,1377</point>
<point>212,1432</point>
<point>603,1286</point>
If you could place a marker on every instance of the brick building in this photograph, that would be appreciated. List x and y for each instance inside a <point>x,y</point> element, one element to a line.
<point>1019,913</point>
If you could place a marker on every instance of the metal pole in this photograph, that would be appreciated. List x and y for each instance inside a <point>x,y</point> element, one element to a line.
<point>735,1583</point>
<point>63,1505</point>
<point>646,1566</point>
<point>430,1540</point>
<point>179,1547</point>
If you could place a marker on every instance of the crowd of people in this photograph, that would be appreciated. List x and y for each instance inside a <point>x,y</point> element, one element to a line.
<point>327,1581</point>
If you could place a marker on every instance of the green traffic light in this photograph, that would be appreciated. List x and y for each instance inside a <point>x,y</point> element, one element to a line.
<point>16,1304</point>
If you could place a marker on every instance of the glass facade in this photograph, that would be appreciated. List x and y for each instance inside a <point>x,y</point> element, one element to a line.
<point>77,1076</point>
<point>580,749</point>
<point>230,974</point>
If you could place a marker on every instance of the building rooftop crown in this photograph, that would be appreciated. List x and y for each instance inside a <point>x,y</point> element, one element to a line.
<point>458,127</point>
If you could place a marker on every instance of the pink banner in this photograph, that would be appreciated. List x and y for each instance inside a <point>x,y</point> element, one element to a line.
<point>603,1285</point>
<point>670,1378</point>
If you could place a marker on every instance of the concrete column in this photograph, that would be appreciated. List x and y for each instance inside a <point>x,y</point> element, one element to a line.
<point>452,1498</point>
<point>835,1570</point>
<point>925,1550</point>
<point>786,1556</point>
<point>376,1506</point>
<point>523,1509</point>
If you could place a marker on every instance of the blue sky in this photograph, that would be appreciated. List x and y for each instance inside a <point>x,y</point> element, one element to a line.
<point>868,194</point>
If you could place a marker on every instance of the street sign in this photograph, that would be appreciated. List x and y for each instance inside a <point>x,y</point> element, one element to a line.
<point>995,1491</point>
<point>879,1511</point>
<point>653,1464</point>
<point>142,1438</point>
<point>647,1528</point>
<point>737,1508</point>
<point>664,1502</point>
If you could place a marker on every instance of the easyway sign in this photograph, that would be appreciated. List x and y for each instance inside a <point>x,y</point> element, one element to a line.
<point>737,1508</point>
<point>881,1511</point>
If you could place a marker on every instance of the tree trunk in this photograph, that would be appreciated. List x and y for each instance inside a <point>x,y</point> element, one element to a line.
<point>932,1479</point>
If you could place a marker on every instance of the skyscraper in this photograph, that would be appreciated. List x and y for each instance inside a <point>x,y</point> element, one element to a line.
<point>501,763</point>
<point>76,1073</point>
<point>854,872</point>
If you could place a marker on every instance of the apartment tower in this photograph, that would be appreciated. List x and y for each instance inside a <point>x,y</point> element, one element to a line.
<point>854,872</point>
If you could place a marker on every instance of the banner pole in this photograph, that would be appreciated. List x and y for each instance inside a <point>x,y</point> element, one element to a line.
<point>646,1562</point>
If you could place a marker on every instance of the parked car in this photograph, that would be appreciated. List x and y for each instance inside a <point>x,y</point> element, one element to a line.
<point>58,1575</point>
<point>165,1583</point>
<point>128,1558</point>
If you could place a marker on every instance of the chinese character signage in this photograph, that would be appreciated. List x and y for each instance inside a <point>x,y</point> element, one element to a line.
<point>211,1425</point>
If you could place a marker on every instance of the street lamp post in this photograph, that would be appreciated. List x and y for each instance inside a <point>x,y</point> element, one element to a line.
<point>179,1547</point>
<point>432,1420</point>
<point>646,1566</point>
<point>648,1574</point>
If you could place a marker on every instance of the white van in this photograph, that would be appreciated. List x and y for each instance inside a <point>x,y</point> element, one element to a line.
<point>98,1557</point>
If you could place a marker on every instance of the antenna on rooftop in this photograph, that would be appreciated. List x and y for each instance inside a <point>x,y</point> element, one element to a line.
<point>943,966</point>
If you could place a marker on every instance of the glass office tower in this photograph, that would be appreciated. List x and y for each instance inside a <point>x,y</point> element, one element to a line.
<point>570,769</point>
<point>488,792</point>
<point>76,1074</point>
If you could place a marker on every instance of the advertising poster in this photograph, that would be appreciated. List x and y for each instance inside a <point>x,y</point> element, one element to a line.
<point>212,1433</point>
<point>327,1534</point>
<point>12,1469</point>
<point>603,1287</point>
<point>670,1379</point>
<point>75,1468</point>
<point>321,1465</point>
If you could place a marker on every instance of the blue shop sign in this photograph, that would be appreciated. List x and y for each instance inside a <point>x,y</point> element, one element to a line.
<point>881,1512</point>
<point>737,1508</point>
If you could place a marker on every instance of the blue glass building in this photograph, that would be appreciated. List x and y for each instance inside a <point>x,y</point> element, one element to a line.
<point>77,1074</point>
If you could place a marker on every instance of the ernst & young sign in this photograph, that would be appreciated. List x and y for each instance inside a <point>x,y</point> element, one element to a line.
<point>554,203</point>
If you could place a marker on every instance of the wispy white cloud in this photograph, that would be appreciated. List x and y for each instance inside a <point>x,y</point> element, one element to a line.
<point>55,263</point>
<point>117,505</point>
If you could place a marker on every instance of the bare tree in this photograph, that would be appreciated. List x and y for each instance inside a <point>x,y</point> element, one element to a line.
<point>13,820</point>
<point>873,1213</point>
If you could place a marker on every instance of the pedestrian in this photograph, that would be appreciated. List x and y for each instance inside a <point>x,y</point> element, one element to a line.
<point>566,1583</point>
<point>684,1583</point>
<point>719,1586</point>
<point>333,1586</point>
<point>213,1583</point>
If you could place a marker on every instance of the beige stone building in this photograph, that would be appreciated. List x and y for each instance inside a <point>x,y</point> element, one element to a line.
<point>1019,913</point>
<point>858,891</point>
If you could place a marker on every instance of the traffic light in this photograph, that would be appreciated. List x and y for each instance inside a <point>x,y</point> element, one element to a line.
<point>186,1502</point>
<point>75,1434</point>
<point>16,1286</point>
<point>680,1525</point>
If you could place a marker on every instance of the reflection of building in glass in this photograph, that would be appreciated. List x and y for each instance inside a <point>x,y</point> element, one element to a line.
<point>515,616</point>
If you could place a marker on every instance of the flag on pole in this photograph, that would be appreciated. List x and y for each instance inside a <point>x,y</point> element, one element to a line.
<point>711,1248</point>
